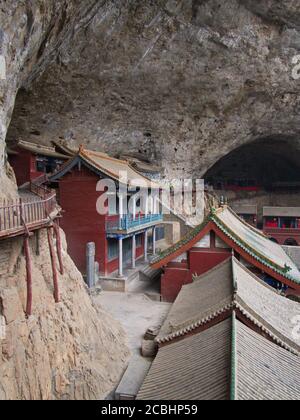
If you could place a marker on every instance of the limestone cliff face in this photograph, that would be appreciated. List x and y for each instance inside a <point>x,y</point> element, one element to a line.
<point>183,82</point>
<point>31,34</point>
<point>69,350</point>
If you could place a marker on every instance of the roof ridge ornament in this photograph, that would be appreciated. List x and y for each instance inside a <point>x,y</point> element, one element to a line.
<point>287,268</point>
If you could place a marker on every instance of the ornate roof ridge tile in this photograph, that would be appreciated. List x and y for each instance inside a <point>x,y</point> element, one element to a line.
<point>234,370</point>
<point>259,232</point>
<point>251,251</point>
<point>194,325</point>
<point>264,329</point>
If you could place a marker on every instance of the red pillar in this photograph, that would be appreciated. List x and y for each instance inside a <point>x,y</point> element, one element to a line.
<point>28,276</point>
<point>59,248</point>
<point>53,261</point>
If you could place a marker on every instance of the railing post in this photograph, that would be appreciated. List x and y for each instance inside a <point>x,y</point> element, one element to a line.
<point>21,211</point>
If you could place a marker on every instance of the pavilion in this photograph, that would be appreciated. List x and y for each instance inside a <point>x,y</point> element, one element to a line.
<point>222,234</point>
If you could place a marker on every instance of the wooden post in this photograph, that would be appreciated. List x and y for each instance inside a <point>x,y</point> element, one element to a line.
<point>37,243</point>
<point>59,248</point>
<point>154,241</point>
<point>133,252</point>
<point>53,261</point>
<point>28,276</point>
<point>146,247</point>
<point>120,257</point>
<point>21,211</point>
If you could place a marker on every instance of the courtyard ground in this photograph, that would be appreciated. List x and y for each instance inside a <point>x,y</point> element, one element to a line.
<point>136,312</point>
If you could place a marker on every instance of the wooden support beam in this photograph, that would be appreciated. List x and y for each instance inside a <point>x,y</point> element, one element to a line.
<point>53,262</point>
<point>28,276</point>
<point>37,243</point>
<point>59,247</point>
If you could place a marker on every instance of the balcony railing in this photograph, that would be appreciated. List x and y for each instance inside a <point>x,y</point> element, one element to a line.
<point>14,214</point>
<point>128,222</point>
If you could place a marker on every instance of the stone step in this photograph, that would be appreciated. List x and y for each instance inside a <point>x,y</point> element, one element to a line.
<point>149,273</point>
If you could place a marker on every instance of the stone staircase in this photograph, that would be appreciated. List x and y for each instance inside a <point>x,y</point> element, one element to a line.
<point>149,274</point>
<point>143,279</point>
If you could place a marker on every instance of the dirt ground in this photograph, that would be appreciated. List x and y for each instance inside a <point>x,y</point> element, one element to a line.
<point>136,312</point>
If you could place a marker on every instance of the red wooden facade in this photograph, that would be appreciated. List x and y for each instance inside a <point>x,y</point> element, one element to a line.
<point>82,223</point>
<point>29,161</point>
<point>119,236</point>
<point>197,261</point>
<point>290,237</point>
<point>25,166</point>
<point>285,229</point>
<point>204,251</point>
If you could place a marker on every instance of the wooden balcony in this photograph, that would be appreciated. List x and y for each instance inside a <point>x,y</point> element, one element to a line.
<point>30,213</point>
<point>128,223</point>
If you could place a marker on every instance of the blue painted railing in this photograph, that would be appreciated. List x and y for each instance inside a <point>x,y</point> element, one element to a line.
<point>128,222</point>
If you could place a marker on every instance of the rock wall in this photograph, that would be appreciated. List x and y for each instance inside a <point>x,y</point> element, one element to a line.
<point>69,350</point>
<point>183,82</point>
<point>31,35</point>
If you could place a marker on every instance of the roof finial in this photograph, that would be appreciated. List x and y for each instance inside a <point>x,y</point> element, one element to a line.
<point>81,148</point>
<point>222,201</point>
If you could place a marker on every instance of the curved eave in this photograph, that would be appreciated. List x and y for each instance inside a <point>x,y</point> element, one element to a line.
<point>242,314</point>
<point>252,252</point>
<point>182,246</point>
<point>74,162</point>
<point>89,160</point>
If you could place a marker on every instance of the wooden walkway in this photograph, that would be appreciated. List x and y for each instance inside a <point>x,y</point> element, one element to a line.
<point>36,208</point>
<point>30,212</point>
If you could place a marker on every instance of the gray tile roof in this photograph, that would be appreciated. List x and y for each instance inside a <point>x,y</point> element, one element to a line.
<point>294,253</point>
<point>201,367</point>
<point>265,307</point>
<point>40,149</point>
<point>202,299</point>
<point>281,211</point>
<point>232,286</point>
<point>245,209</point>
<point>265,371</point>
<point>197,368</point>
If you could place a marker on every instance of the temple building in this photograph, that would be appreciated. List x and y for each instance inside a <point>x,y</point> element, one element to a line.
<point>121,237</point>
<point>247,212</point>
<point>228,336</point>
<point>222,234</point>
<point>282,224</point>
<point>30,161</point>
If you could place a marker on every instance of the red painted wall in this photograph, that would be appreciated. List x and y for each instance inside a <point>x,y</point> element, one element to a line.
<point>200,260</point>
<point>282,235</point>
<point>82,223</point>
<point>203,260</point>
<point>24,166</point>
<point>172,281</point>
